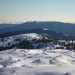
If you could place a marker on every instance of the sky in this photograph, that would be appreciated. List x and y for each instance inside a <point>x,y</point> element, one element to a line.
<point>15,11</point>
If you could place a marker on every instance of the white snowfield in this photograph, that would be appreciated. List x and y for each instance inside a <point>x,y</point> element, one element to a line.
<point>37,62</point>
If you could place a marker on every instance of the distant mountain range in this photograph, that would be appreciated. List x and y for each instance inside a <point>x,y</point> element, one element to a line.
<point>55,28</point>
<point>4,26</point>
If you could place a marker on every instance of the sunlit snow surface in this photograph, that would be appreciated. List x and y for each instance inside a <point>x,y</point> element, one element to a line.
<point>12,39</point>
<point>37,62</point>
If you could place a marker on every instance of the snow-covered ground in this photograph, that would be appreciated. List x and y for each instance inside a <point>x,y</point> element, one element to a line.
<point>14,39</point>
<point>37,62</point>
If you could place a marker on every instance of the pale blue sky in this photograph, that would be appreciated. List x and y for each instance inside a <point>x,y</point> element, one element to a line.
<point>37,10</point>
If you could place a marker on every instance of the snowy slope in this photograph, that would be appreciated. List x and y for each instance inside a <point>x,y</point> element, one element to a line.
<point>12,39</point>
<point>37,62</point>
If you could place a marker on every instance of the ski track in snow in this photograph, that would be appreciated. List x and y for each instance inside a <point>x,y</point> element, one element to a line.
<point>37,62</point>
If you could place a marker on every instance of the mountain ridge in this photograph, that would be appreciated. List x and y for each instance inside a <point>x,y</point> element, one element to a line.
<point>66,28</point>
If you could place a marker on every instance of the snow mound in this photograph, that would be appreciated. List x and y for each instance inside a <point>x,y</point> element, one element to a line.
<point>35,51</point>
<point>11,40</point>
<point>37,62</point>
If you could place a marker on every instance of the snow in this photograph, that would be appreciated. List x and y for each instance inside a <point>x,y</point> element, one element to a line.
<point>32,35</point>
<point>37,62</point>
<point>45,29</point>
<point>12,39</point>
<point>55,46</point>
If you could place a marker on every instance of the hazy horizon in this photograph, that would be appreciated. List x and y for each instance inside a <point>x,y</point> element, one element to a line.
<point>35,21</point>
<point>19,11</point>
